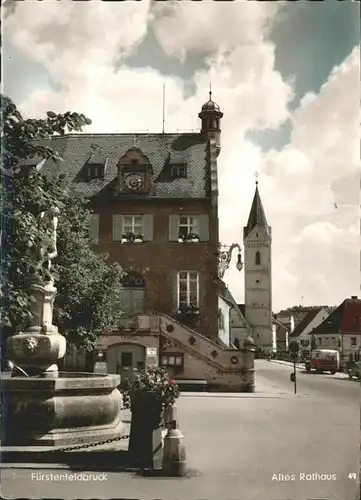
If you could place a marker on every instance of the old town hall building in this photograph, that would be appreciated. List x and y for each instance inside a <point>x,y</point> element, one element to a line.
<point>154,201</point>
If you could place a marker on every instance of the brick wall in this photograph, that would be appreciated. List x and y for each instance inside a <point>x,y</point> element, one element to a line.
<point>160,259</point>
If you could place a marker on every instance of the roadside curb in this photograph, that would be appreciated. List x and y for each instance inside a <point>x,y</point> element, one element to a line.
<point>74,468</point>
<point>288,363</point>
<point>255,395</point>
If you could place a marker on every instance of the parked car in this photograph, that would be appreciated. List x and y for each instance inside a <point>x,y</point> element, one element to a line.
<point>323,360</point>
<point>355,370</point>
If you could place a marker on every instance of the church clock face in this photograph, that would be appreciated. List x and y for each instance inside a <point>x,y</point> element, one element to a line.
<point>134,182</point>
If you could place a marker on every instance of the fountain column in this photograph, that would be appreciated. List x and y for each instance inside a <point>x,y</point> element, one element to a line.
<point>41,406</point>
<point>38,349</point>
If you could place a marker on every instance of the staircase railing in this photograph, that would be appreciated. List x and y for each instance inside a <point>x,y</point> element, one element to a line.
<point>193,332</point>
<point>195,352</point>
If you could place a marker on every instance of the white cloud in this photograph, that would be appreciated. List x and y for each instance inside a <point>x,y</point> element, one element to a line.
<point>314,245</point>
<point>182,27</point>
<point>313,241</point>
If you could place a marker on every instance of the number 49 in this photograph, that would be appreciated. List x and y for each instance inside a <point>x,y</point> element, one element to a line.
<point>352,475</point>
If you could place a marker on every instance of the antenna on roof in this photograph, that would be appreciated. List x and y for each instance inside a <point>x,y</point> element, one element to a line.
<point>163,107</point>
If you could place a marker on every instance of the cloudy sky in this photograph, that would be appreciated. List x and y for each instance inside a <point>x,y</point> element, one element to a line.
<point>286,76</point>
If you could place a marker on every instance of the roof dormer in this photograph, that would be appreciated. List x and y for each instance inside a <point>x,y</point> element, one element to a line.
<point>134,172</point>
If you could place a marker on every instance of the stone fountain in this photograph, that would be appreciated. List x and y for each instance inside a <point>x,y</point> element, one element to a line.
<point>42,407</point>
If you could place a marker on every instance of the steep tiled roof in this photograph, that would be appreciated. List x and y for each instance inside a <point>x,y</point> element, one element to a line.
<point>225,292</point>
<point>279,323</point>
<point>257,216</point>
<point>310,316</point>
<point>163,150</point>
<point>345,319</point>
<point>242,308</point>
<point>229,302</point>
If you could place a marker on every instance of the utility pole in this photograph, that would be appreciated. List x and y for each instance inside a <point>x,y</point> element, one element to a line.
<point>294,348</point>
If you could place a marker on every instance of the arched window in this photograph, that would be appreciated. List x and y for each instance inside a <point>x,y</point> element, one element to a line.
<point>132,294</point>
<point>258,258</point>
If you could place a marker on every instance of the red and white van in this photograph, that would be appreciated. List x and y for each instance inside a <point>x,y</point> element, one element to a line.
<point>324,360</point>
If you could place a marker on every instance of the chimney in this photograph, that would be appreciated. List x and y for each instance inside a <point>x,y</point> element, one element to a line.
<point>354,297</point>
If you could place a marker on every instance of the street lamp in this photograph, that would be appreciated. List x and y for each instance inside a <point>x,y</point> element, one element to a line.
<point>225,256</point>
<point>239,264</point>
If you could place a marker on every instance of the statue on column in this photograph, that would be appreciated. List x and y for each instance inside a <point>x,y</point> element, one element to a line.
<point>38,349</point>
<point>45,246</point>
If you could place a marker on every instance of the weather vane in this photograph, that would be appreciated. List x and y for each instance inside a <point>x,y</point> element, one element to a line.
<point>257,174</point>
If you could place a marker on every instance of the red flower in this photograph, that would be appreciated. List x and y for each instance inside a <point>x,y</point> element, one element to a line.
<point>172,381</point>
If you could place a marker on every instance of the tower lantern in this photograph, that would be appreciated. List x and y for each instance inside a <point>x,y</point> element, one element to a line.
<point>211,117</point>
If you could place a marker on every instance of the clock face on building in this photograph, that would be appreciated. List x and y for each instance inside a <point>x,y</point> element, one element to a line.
<point>134,182</point>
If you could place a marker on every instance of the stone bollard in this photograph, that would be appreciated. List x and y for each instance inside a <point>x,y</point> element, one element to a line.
<point>170,415</point>
<point>174,453</point>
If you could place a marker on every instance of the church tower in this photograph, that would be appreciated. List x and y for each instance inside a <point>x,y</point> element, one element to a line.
<point>211,121</point>
<point>257,239</point>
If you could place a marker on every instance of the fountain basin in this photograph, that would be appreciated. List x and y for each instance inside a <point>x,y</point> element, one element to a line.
<point>73,408</point>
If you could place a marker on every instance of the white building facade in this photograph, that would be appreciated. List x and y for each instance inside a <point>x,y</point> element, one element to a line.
<point>224,320</point>
<point>303,331</point>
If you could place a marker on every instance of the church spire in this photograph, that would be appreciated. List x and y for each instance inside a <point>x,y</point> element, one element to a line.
<point>257,216</point>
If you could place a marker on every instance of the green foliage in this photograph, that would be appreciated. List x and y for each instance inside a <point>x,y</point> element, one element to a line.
<point>296,309</point>
<point>156,380</point>
<point>88,287</point>
<point>20,136</point>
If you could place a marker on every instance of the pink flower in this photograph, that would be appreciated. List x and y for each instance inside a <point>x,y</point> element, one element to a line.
<point>172,381</point>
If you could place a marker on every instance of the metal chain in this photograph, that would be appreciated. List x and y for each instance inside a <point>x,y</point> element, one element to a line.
<point>99,443</point>
<point>89,445</point>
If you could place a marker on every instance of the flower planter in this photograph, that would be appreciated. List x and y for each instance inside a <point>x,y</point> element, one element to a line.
<point>147,395</point>
<point>147,417</point>
<point>188,312</point>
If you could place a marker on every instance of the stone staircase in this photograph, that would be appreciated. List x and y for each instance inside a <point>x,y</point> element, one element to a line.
<point>223,368</point>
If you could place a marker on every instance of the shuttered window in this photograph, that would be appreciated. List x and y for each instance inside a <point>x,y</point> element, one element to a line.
<point>203,227</point>
<point>135,224</point>
<point>132,300</point>
<point>117,227</point>
<point>180,226</point>
<point>147,227</point>
<point>94,228</point>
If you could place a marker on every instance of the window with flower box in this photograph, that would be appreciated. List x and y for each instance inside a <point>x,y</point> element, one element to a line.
<point>188,228</point>
<point>188,291</point>
<point>132,228</point>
